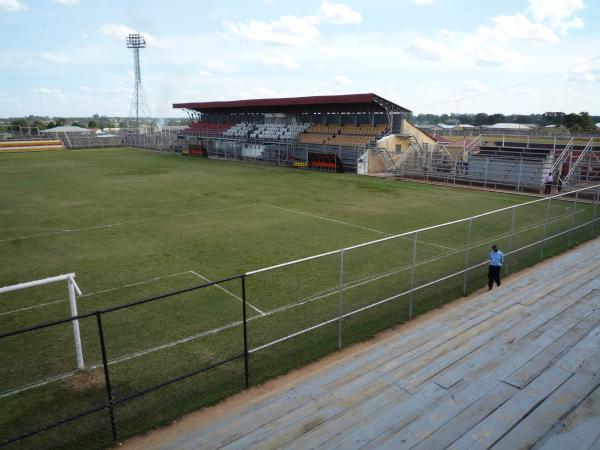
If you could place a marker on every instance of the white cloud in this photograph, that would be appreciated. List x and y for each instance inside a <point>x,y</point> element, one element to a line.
<point>280,60</point>
<point>12,6</point>
<point>288,30</point>
<point>429,50</point>
<point>49,92</point>
<point>67,2</point>
<point>559,14</point>
<point>475,86</point>
<point>423,2</point>
<point>341,80</point>
<point>517,27</point>
<point>205,74</point>
<point>221,66</point>
<point>259,92</point>
<point>53,58</point>
<point>338,13</point>
<point>120,32</point>
<point>582,70</point>
<point>495,55</point>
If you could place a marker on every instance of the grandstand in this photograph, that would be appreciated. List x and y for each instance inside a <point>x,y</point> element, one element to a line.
<point>322,132</point>
<point>508,162</point>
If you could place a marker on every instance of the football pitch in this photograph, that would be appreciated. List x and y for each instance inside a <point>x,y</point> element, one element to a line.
<point>133,223</point>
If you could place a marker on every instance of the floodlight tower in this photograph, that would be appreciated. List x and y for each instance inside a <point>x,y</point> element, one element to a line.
<point>138,103</point>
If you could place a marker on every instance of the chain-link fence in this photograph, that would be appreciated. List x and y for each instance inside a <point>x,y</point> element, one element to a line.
<point>152,360</point>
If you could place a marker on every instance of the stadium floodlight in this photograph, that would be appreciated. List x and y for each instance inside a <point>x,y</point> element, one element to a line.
<point>136,41</point>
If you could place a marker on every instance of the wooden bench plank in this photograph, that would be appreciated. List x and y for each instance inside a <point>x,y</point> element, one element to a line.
<point>541,420</point>
<point>523,342</point>
<point>497,424</point>
<point>435,417</point>
<point>524,374</point>
<point>579,430</point>
<point>451,431</point>
<point>359,434</point>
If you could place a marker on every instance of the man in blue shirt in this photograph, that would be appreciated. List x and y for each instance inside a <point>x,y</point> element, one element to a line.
<point>496,261</point>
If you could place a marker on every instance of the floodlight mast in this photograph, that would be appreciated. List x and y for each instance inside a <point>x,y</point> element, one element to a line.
<point>135,42</point>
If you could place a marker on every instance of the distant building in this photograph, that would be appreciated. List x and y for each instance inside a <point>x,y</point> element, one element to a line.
<point>510,126</point>
<point>66,129</point>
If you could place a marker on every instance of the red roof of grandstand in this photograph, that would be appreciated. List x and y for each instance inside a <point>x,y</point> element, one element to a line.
<point>294,102</point>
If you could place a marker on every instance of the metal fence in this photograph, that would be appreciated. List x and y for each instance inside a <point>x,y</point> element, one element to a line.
<point>506,172</point>
<point>288,314</point>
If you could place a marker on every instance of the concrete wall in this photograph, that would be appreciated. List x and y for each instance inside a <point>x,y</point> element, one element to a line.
<point>375,162</point>
<point>394,142</point>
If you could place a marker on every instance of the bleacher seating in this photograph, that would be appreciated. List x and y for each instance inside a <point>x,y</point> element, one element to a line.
<point>239,130</point>
<point>266,131</point>
<point>342,135</point>
<point>333,135</point>
<point>208,128</point>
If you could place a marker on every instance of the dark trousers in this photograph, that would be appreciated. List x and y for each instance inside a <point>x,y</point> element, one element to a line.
<point>494,275</point>
<point>548,188</point>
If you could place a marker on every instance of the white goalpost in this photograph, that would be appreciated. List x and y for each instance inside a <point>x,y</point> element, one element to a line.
<point>73,290</point>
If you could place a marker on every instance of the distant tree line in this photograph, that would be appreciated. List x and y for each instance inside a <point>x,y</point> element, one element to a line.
<point>573,122</point>
<point>95,122</point>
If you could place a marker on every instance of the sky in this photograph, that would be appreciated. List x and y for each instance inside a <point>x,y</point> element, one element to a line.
<point>68,57</point>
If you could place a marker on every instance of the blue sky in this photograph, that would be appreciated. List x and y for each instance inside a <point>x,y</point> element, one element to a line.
<point>68,57</point>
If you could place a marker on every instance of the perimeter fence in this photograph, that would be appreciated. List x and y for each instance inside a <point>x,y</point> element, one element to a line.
<point>152,360</point>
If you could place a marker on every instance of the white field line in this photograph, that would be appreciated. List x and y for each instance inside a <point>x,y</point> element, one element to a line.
<point>324,294</point>
<point>227,291</point>
<point>128,222</point>
<point>90,294</point>
<point>27,308</point>
<point>341,222</point>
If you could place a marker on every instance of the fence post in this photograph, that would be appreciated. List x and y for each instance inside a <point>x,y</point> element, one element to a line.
<point>109,397</point>
<point>520,174</point>
<point>596,198</point>
<point>510,238</point>
<point>485,174</point>
<point>467,254</point>
<point>545,228</point>
<point>245,320</point>
<point>341,301</point>
<point>75,324</point>
<point>573,218</point>
<point>412,276</point>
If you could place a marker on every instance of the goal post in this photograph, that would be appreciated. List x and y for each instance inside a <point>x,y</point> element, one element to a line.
<point>73,290</point>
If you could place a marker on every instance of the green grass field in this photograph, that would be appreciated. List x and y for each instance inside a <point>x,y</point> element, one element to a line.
<point>133,223</point>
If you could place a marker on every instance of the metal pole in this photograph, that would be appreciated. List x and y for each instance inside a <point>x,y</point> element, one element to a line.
<point>412,276</point>
<point>573,218</point>
<point>595,214</point>
<point>467,254</point>
<point>341,302</point>
<point>545,228</point>
<point>75,323</point>
<point>510,237</point>
<point>109,397</point>
<point>520,173</point>
<point>486,171</point>
<point>245,320</point>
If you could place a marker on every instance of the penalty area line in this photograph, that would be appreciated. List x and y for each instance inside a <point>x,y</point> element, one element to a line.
<point>227,291</point>
<point>90,294</point>
<point>341,222</point>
